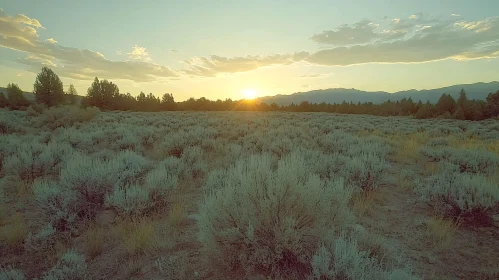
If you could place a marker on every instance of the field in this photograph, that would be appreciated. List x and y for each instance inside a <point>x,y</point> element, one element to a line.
<point>86,194</point>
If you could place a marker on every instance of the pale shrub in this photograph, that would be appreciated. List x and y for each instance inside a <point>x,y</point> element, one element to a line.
<point>71,266</point>
<point>474,161</point>
<point>159,181</point>
<point>92,179</point>
<point>11,274</point>
<point>40,241</point>
<point>343,259</point>
<point>463,193</point>
<point>33,160</point>
<point>172,165</point>
<point>364,171</point>
<point>271,219</point>
<point>58,203</point>
<point>193,165</point>
<point>66,116</point>
<point>129,200</point>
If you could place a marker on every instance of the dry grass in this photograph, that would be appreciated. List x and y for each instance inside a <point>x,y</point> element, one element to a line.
<point>432,168</point>
<point>138,235</point>
<point>24,189</point>
<point>441,231</point>
<point>14,231</point>
<point>177,214</point>
<point>363,202</point>
<point>494,147</point>
<point>407,147</point>
<point>404,182</point>
<point>94,240</point>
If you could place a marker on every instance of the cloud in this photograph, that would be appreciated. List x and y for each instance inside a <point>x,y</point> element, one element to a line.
<point>425,40</point>
<point>209,67</point>
<point>20,33</point>
<point>317,75</point>
<point>358,33</point>
<point>139,53</point>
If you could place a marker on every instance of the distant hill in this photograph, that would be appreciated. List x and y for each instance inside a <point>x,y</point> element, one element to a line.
<point>338,95</point>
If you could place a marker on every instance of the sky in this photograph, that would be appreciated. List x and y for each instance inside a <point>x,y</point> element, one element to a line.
<point>235,49</point>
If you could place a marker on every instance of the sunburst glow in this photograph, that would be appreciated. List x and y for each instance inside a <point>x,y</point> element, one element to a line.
<point>249,93</point>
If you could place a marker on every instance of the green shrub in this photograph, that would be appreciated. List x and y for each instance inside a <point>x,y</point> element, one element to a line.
<point>269,220</point>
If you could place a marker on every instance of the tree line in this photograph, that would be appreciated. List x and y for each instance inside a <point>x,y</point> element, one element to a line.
<point>48,90</point>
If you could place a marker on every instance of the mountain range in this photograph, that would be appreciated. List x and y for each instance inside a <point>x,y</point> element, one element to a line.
<point>338,95</point>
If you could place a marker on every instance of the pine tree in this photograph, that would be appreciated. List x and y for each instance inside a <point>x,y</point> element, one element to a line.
<point>94,94</point>
<point>446,103</point>
<point>48,88</point>
<point>71,95</point>
<point>16,98</point>
<point>3,100</point>
<point>459,114</point>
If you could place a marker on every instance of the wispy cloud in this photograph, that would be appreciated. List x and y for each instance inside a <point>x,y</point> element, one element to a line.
<point>317,75</point>
<point>425,40</point>
<point>213,65</point>
<point>20,33</point>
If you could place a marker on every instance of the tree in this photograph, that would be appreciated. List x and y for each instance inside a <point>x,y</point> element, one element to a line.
<point>94,94</point>
<point>425,112</point>
<point>71,94</point>
<point>492,105</point>
<point>48,88</point>
<point>16,98</point>
<point>459,114</point>
<point>446,103</point>
<point>168,102</point>
<point>3,100</point>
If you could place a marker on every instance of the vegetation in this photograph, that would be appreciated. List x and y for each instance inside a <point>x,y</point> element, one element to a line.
<point>48,88</point>
<point>106,96</point>
<point>90,193</point>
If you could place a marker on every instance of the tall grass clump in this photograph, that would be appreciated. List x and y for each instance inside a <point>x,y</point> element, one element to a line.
<point>268,221</point>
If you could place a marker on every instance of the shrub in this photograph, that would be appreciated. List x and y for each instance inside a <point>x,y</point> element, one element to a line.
<point>438,142</point>
<point>159,181</point>
<point>33,160</point>
<point>474,161</point>
<point>364,171</point>
<point>71,266</point>
<point>343,259</point>
<point>66,116</point>
<point>130,199</point>
<point>58,203</point>
<point>468,195</point>
<point>40,241</point>
<point>115,173</point>
<point>269,221</point>
<point>11,274</point>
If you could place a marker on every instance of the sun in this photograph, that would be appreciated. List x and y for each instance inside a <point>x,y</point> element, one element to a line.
<point>249,93</point>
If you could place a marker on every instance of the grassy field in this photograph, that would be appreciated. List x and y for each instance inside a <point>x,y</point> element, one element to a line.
<point>246,195</point>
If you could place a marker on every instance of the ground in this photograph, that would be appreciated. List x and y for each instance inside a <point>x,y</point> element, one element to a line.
<point>158,237</point>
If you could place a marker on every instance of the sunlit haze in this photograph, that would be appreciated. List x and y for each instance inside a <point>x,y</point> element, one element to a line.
<point>247,49</point>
